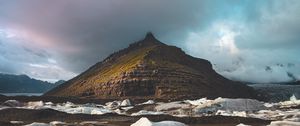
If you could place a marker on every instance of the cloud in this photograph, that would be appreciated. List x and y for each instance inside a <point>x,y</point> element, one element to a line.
<point>263,42</point>
<point>239,36</point>
<point>94,29</point>
<point>19,56</point>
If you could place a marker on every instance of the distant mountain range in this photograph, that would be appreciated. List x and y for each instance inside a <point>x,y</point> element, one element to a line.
<point>24,84</point>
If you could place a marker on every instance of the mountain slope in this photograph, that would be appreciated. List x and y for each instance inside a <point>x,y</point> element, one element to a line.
<point>23,84</point>
<point>149,68</point>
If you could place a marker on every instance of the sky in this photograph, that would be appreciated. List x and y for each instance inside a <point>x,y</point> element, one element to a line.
<point>246,40</point>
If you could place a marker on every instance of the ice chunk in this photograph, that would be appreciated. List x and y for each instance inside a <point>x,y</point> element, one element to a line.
<point>54,123</point>
<point>269,105</point>
<point>171,105</point>
<point>241,124</point>
<point>242,105</point>
<point>69,104</point>
<point>87,110</point>
<point>232,113</point>
<point>146,122</point>
<point>48,103</point>
<point>142,122</point>
<point>293,98</point>
<point>127,108</point>
<point>98,111</point>
<point>229,105</point>
<point>149,102</point>
<point>12,103</point>
<point>144,112</point>
<point>92,123</point>
<point>113,105</point>
<point>198,102</point>
<point>292,102</point>
<point>126,102</point>
<point>16,122</point>
<point>35,104</point>
<point>37,124</point>
<point>168,123</point>
<point>284,123</point>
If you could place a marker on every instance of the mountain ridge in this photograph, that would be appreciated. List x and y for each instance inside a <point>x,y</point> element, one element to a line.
<point>10,83</point>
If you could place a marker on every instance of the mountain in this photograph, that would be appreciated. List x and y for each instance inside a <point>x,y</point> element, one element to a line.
<point>152,69</point>
<point>59,82</point>
<point>23,84</point>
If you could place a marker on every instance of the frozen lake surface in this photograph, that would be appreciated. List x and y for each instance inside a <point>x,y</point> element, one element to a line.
<point>22,94</point>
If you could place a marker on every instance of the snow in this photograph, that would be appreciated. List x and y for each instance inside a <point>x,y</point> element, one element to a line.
<point>146,122</point>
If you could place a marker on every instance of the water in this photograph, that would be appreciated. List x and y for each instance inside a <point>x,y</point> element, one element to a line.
<point>278,92</point>
<point>22,94</point>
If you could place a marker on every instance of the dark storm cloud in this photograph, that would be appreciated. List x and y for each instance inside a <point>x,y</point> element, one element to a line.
<point>98,28</point>
<point>75,34</point>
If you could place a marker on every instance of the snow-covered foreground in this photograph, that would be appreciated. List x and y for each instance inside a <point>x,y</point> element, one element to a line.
<point>282,112</point>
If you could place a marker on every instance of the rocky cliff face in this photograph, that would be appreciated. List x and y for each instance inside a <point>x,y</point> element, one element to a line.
<point>151,69</point>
